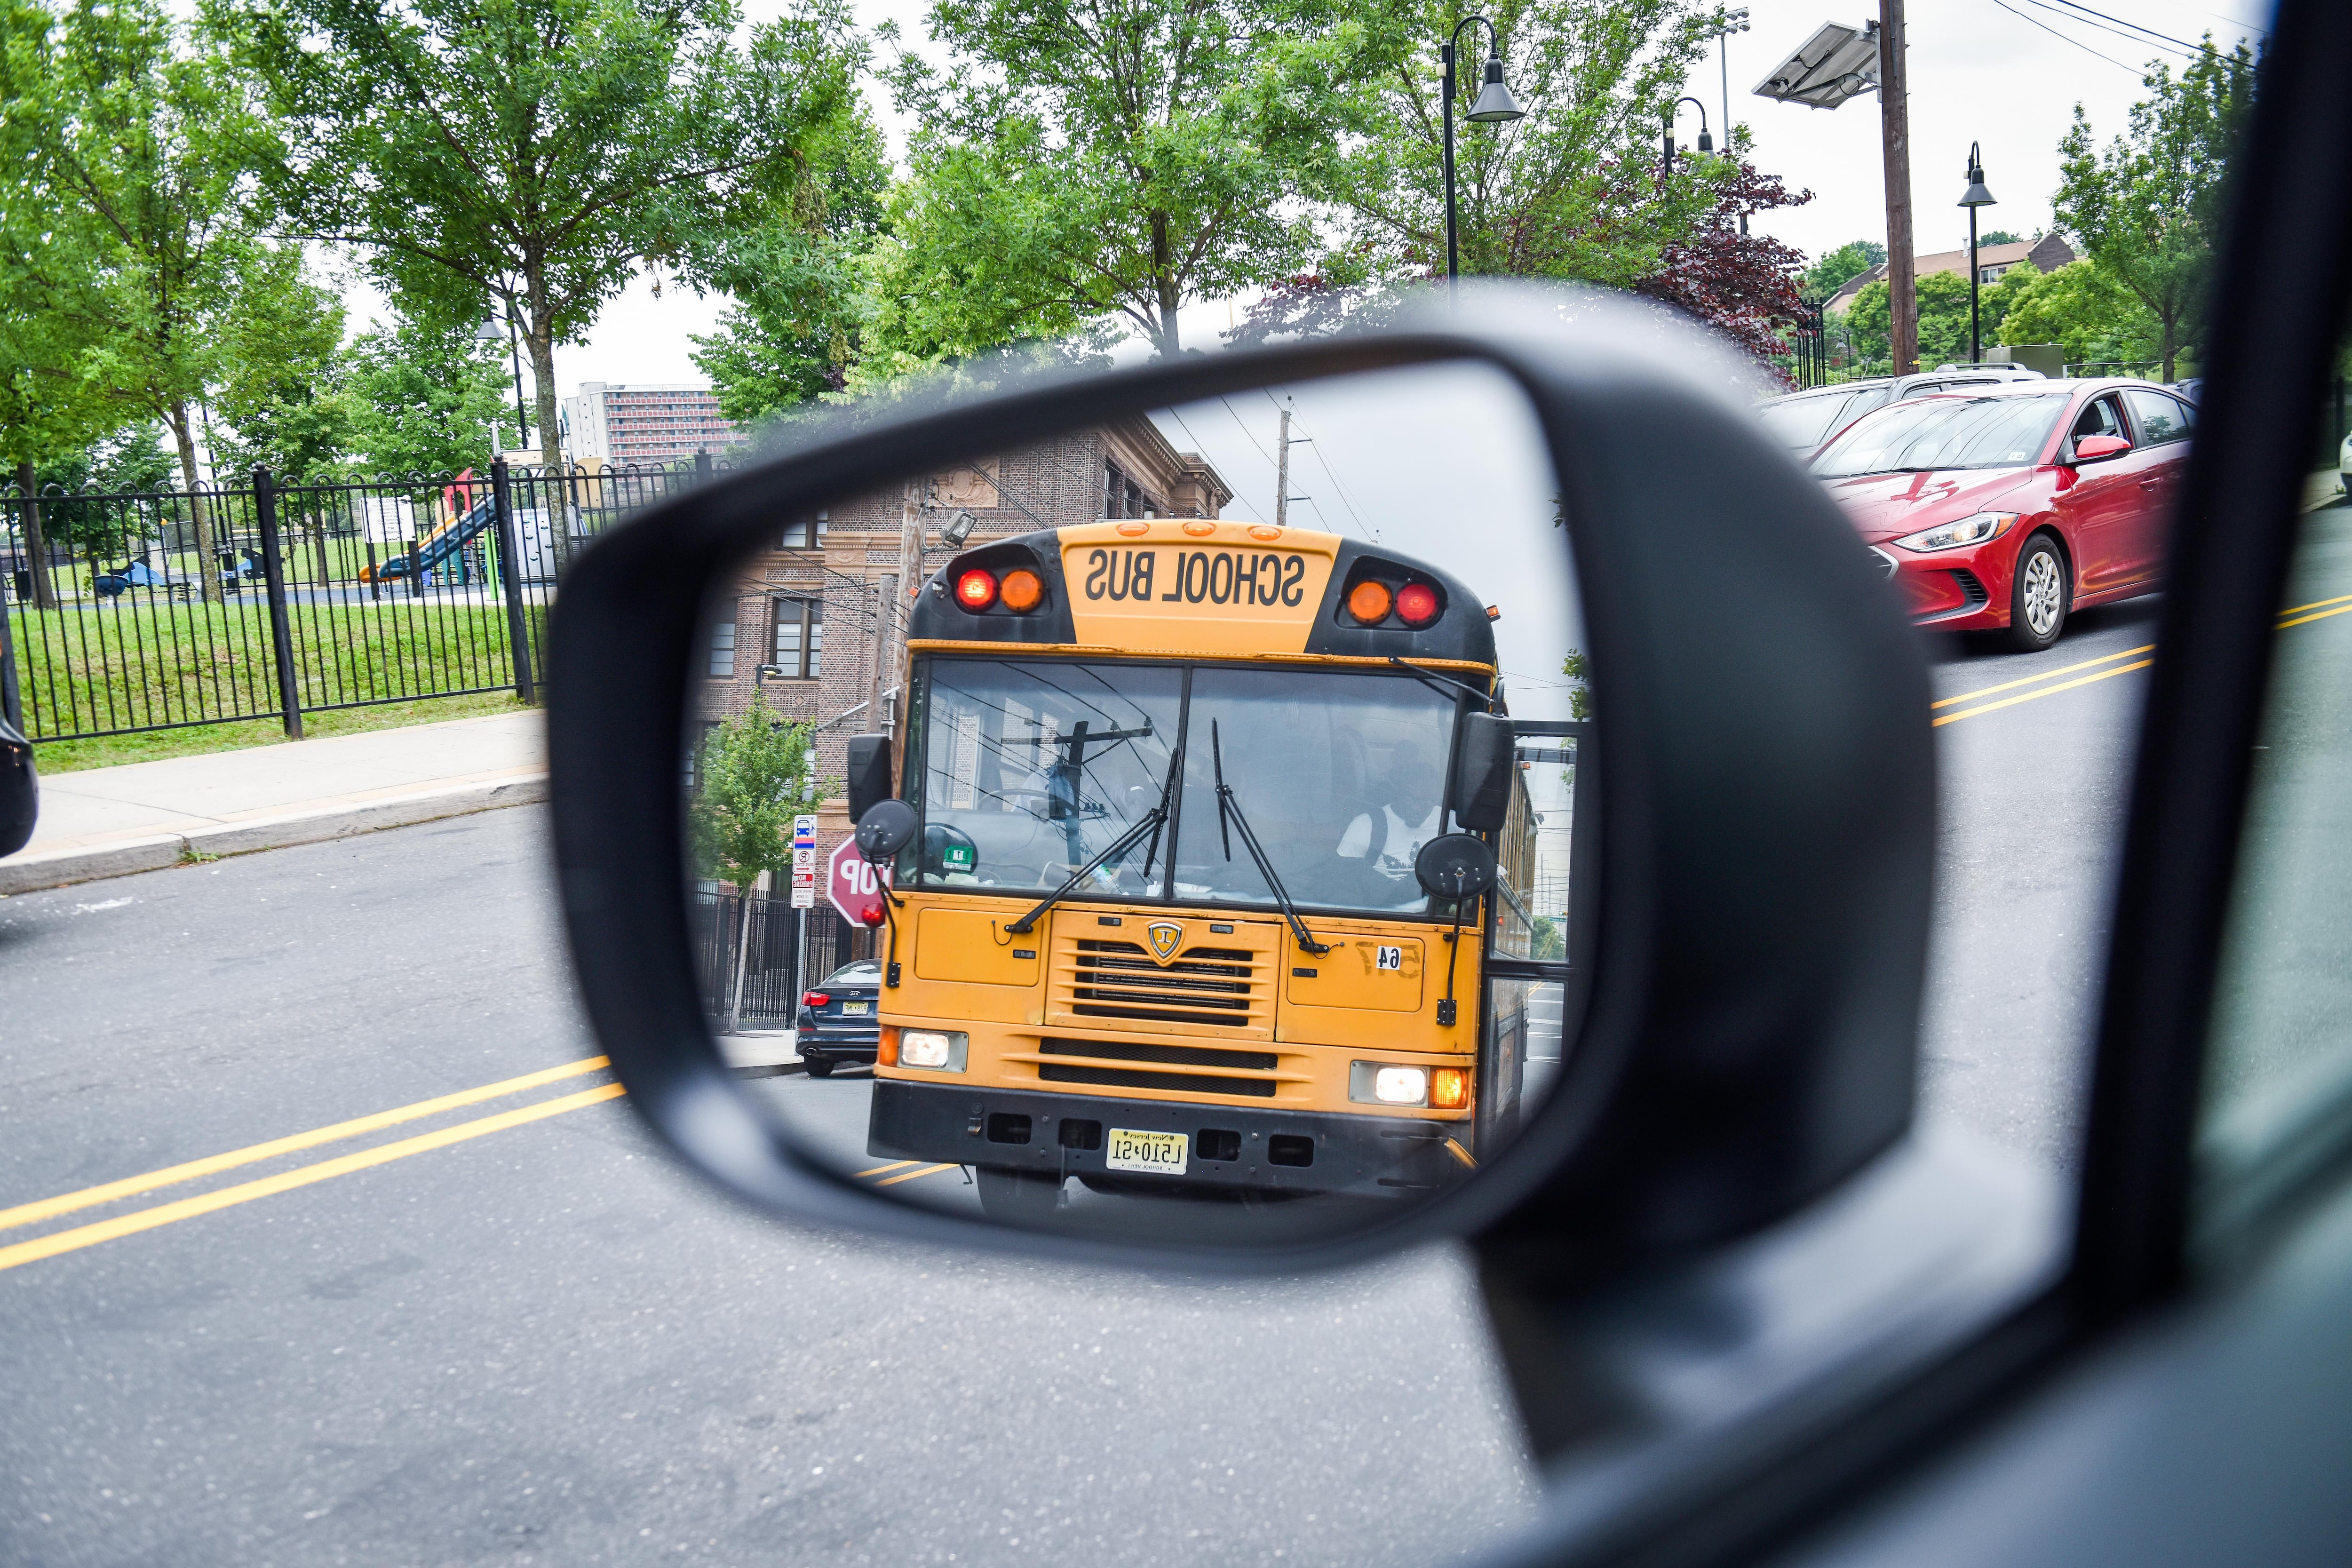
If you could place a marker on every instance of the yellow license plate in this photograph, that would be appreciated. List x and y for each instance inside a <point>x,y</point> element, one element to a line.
<point>1152,1154</point>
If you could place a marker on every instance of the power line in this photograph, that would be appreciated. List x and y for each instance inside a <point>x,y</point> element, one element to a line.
<point>1347,500</point>
<point>2056,34</point>
<point>1203,448</point>
<point>2085,15</point>
<point>2134,26</point>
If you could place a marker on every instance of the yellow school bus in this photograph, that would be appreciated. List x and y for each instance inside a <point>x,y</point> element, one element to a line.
<point>1161,926</point>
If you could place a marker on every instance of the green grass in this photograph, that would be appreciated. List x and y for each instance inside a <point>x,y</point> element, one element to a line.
<point>140,662</point>
<point>55,757</point>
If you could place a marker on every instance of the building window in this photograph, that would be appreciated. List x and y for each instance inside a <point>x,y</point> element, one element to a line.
<point>722,650</point>
<point>800,638</point>
<point>806,533</point>
<point>1114,490</point>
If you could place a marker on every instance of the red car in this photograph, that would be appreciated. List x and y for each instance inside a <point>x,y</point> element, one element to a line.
<point>2007,508</point>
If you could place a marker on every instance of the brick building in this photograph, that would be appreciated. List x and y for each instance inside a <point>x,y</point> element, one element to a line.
<point>619,425</point>
<point>805,611</point>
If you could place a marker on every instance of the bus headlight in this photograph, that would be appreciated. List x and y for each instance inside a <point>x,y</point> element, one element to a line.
<point>1379,1083</point>
<point>940,1050</point>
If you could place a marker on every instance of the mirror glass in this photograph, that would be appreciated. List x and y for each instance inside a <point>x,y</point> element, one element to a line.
<point>1141,939</point>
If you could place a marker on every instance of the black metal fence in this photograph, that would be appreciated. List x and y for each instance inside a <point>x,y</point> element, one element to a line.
<point>124,612</point>
<point>773,977</point>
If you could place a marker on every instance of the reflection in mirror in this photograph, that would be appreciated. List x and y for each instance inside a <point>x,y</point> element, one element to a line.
<point>1222,871</point>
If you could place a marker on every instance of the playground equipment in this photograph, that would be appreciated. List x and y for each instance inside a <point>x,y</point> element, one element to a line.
<point>468,507</point>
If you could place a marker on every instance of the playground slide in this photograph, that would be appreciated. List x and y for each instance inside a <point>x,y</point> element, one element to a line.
<point>441,544</point>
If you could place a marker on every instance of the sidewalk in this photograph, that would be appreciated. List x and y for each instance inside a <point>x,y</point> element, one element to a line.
<point>108,821</point>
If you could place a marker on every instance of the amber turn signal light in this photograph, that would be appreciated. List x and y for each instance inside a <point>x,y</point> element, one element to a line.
<point>1369,602</point>
<point>885,1050</point>
<point>976,590</point>
<point>1021,591</point>
<point>1449,1088</point>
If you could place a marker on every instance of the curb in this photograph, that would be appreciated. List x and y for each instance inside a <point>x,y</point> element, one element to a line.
<point>63,868</point>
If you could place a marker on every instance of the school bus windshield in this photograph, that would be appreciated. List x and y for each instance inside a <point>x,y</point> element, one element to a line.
<point>1031,767</point>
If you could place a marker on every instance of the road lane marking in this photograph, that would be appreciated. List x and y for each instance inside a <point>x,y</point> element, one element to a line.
<point>2036,696</point>
<point>2316,604</point>
<point>131,1223</point>
<point>911,1175</point>
<point>50,1208</point>
<point>2306,620</point>
<point>892,1165</point>
<point>2035,680</point>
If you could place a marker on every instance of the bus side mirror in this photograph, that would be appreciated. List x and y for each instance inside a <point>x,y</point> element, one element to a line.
<point>885,829</point>
<point>1482,773</point>
<point>868,765</point>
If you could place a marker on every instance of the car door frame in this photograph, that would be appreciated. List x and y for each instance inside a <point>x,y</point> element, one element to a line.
<point>2094,508</point>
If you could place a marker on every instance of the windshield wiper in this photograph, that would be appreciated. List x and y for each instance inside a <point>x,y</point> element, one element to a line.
<point>1151,822</point>
<point>1228,806</point>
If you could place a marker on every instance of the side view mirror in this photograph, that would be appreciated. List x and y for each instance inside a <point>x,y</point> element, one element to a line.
<point>867,765</point>
<point>2098,448</point>
<point>1482,773</point>
<point>1454,867</point>
<point>885,829</point>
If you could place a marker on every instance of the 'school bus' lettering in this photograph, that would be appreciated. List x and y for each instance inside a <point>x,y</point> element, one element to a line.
<point>1265,577</point>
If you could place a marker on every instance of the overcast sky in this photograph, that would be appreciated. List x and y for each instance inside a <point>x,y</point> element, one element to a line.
<point>2004,73</point>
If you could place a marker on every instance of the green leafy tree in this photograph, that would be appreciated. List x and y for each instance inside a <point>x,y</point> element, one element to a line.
<point>538,153</point>
<point>751,774</point>
<point>48,411</point>
<point>1119,158</point>
<point>424,400</point>
<point>2087,313</point>
<point>281,388</point>
<point>1574,190</point>
<point>1998,237</point>
<point>1835,269</point>
<point>2147,207</point>
<point>144,147</point>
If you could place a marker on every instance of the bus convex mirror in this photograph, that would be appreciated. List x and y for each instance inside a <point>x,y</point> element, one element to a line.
<point>1482,773</point>
<point>1454,867</point>
<point>868,766</point>
<point>886,828</point>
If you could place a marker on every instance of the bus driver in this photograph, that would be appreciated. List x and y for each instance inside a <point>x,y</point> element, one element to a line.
<point>1391,839</point>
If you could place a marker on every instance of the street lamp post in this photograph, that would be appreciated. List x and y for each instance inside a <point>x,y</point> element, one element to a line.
<point>1494,105</point>
<point>1706,142</point>
<point>1977,196</point>
<point>1734,21</point>
<point>488,333</point>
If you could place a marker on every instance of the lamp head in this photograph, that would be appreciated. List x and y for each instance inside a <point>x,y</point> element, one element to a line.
<point>1978,196</point>
<point>488,333</point>
<point>1495,104</point>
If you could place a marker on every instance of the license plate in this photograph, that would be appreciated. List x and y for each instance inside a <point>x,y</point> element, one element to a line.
<point>1153,1153</point>
<point>858,1006</point>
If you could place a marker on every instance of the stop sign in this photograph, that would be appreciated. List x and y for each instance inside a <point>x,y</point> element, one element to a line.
<point>853,886</point>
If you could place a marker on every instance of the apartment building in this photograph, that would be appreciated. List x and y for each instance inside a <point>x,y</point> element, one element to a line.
<point>620,424</point>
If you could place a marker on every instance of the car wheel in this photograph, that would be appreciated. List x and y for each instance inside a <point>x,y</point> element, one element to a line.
<point>2039,594</point>
<point>1017,1194</point>
<point>818,1067</point>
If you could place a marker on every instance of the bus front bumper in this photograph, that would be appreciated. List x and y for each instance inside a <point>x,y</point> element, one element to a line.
<point>1226,1146</point>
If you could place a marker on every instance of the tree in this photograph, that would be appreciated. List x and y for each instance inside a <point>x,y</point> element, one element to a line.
<point>1574,190</point>
<point>144,148</point>
<point>2147,209</point>
<point>281,383</point>
<point>1743,285</point>
<point>538,153</point>
<point>1998,237</point>
<point>753,773</point>
<point>2087,313</point>
<point>1118,158</point>
<point>1835,269</point>
<point>424,400</point>
<point>48,408</point>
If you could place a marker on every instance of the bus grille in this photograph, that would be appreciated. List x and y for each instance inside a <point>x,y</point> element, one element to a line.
<point>1170,1082</point>
<point>1216,987</point>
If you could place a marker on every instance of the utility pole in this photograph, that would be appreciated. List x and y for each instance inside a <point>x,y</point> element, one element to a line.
<point>1282,495</point>
<point>1895,123</point>
<point>886,605</point>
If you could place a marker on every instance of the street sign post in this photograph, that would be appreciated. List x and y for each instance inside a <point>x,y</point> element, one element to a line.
<point>854,887</point>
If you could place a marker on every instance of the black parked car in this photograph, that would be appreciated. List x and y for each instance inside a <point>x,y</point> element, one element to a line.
<point>20,790</point>
<point>837,1020</point>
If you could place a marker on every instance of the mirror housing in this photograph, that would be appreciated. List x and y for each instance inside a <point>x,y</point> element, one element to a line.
<point>2099,448</point>
<point>1454,867</point>
<point>869,773</point>
<point>1483,762</point>
<point>885,829</point>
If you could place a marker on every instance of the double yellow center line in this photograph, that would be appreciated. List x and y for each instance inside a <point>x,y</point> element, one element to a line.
<point>1970,703</point>
<point>79,1237</point>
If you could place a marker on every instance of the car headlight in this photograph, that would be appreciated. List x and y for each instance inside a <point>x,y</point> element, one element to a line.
<point>940,1050</point>
<point>1381,1083</point>
<point>1960,533</point>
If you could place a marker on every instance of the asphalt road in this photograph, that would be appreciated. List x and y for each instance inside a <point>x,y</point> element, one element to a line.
<point>510,1329</point>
